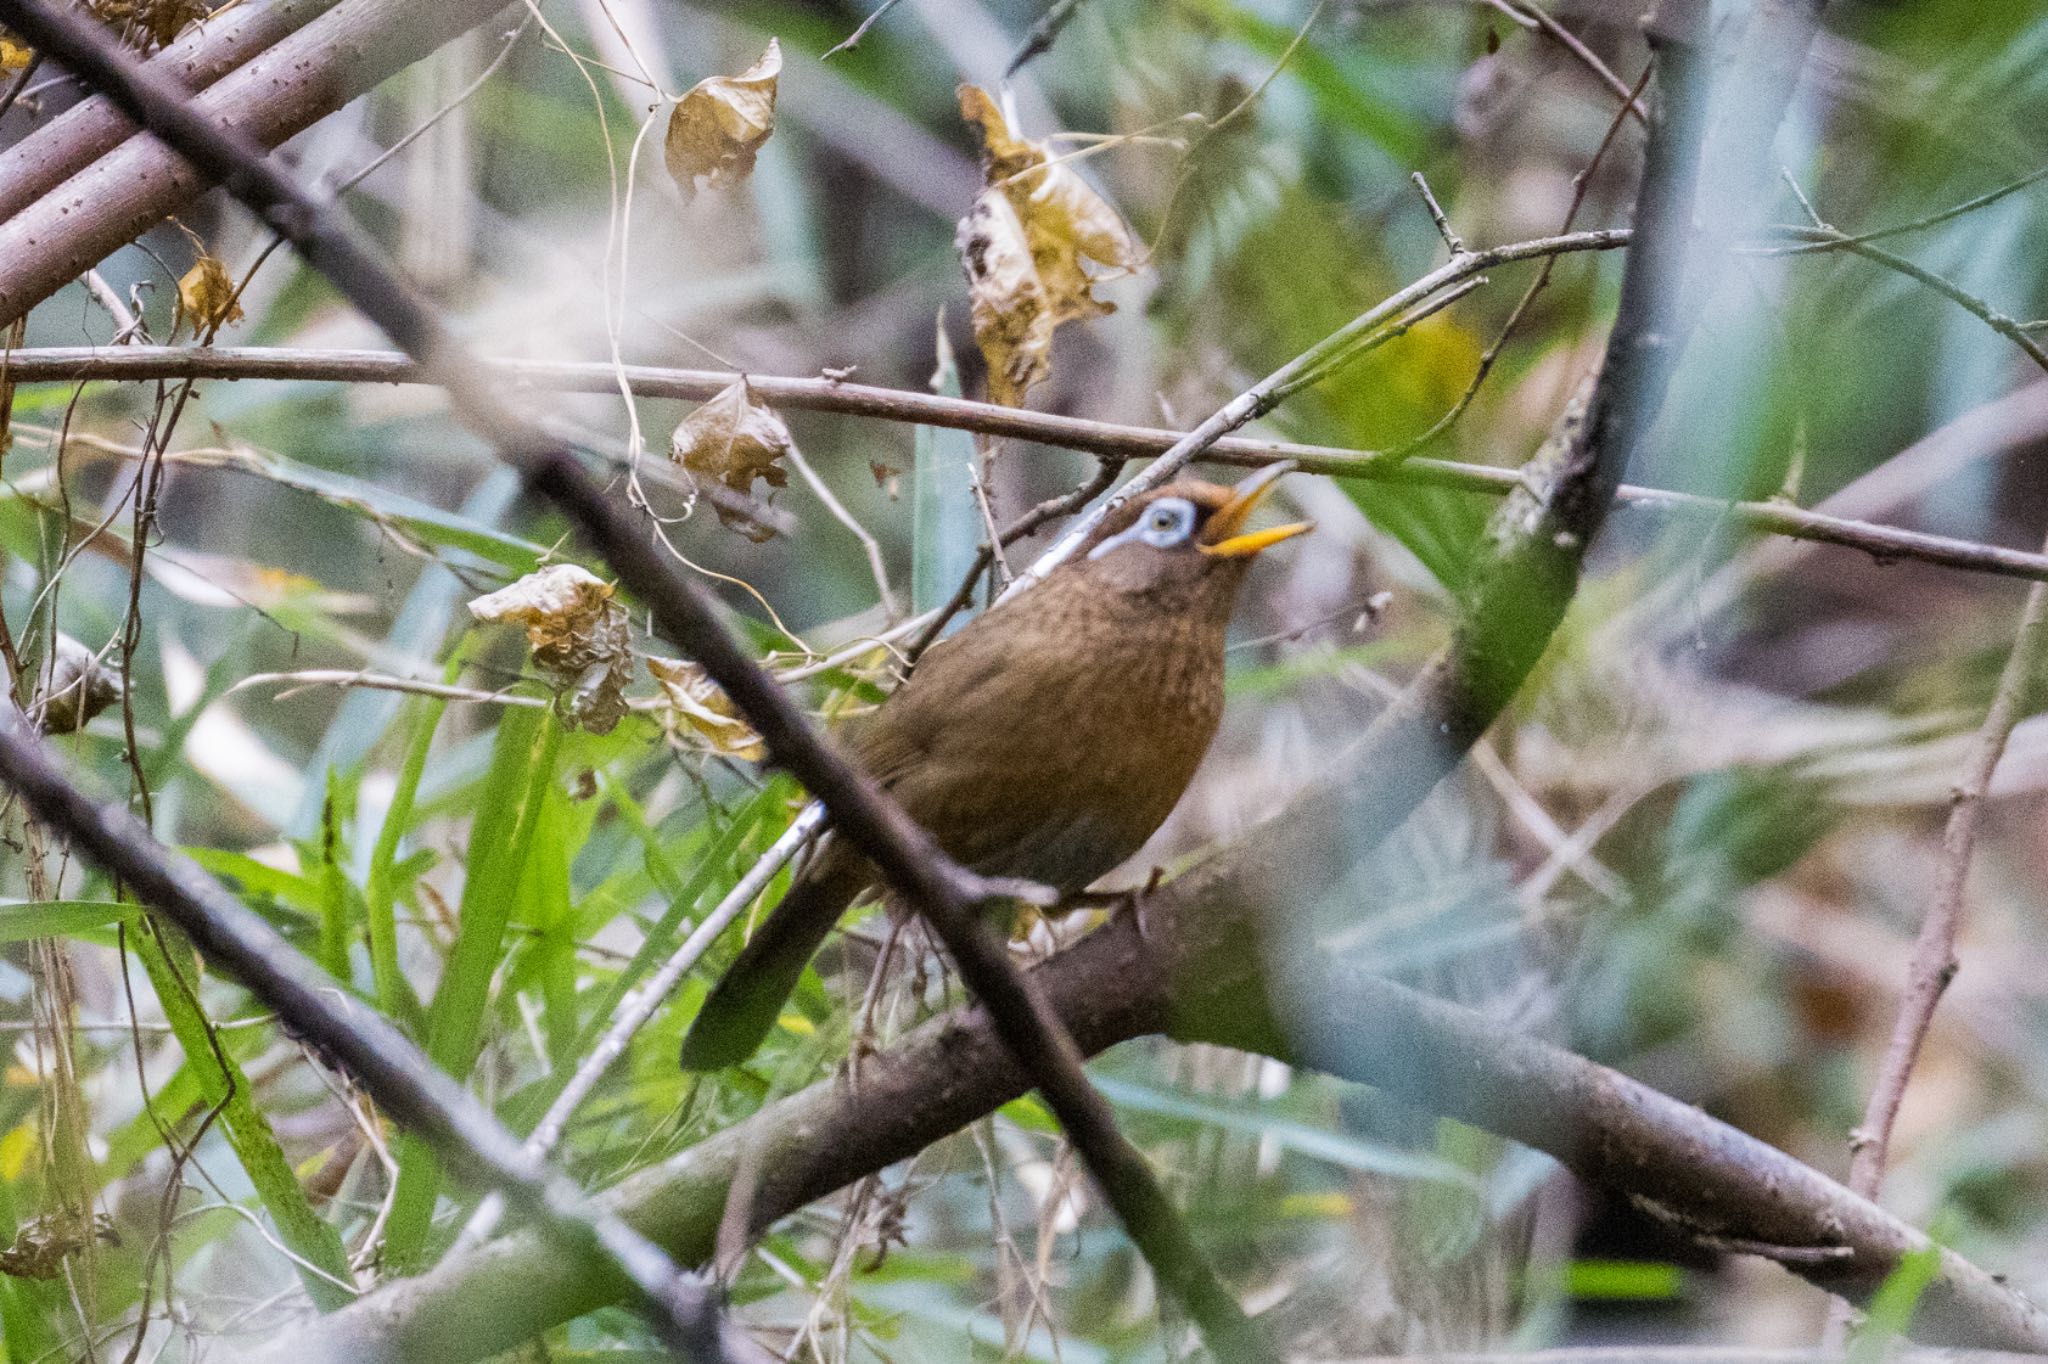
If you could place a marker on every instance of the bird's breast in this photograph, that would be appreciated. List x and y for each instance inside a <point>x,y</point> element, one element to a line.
<point>1055,756</point>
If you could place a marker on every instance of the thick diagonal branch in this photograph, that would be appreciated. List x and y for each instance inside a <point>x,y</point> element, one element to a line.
<point>88,130</point>
<point>1194,973</point>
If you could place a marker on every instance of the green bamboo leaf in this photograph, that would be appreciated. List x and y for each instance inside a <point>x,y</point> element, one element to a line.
<point>22,920</point>
<point>945,524</point>
<point>508,806</point>
<point>394,992</point>
<point>173,969</point>
<point>1352,1153</point>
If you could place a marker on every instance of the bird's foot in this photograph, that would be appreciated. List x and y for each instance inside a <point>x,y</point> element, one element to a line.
<point>1119,903</point>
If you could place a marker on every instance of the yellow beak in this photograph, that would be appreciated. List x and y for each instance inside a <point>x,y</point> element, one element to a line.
<point>1224,535</point>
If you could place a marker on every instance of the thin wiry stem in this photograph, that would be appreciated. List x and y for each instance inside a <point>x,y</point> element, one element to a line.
<point>868,544</point>
<point>1836,240</point>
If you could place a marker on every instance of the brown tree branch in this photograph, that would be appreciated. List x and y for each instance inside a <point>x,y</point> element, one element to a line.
<point>949,896</point>
<point>91,128</point>
<point>289,85</point>
<point>1194,973</point>
<point>1111,440</point>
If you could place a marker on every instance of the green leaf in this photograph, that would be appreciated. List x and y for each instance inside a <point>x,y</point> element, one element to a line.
<point>394,992</point>
<point>945,523</point>
<point>173,970</point>
<point>508,806</point>
<point>22,920</point>
<point>1337,1148</point>
<point>1892,1307</point>
<point>1624,1280</point>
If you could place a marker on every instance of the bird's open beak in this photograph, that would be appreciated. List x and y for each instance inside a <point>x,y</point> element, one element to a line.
<point>1224,535</point>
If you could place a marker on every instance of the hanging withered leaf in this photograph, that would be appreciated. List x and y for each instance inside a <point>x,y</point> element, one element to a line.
<point>734,438</point>
<point>44,1243</point>
<point>1027,246</point>
<point>206,295</point>
<point>715,130</point>
<point>580,638</point>
<point>76,689</point>
<point>692,704</point>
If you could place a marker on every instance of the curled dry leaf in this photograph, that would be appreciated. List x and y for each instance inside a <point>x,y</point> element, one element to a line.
<point>158,21</point>
<point>43,1243</point>
<point>734,439</point>
<point>692,703</point>
<point>580,639</point>
<point>76,689</point>
<point>1027,245</point>
<point>206,295</point>
<point>715,130</point>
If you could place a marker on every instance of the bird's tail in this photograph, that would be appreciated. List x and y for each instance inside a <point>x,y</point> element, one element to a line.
<point>749,997</point>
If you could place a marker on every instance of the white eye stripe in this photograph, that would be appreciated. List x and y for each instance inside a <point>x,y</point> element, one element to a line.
<point>1167,523</point>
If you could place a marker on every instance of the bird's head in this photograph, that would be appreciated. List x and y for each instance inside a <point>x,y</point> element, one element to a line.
<point>1186,533</point>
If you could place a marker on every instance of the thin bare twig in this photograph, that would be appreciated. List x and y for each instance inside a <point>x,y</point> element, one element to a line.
<point>1834,239</point>
<point>1111,441</point>
<point>1527,10</point>
<point>1970,205</point>
<point>1934,961</point>
<point>1582,183</point>
<point>1042,35</point>
<point>852,40</point>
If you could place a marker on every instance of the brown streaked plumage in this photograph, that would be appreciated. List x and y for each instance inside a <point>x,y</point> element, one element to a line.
<point>1047,740</point>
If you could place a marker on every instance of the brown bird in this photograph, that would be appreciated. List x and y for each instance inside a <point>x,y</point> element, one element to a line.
<point>1047,740</point>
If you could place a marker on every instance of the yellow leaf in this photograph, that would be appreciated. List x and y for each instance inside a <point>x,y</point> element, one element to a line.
<point>13,55</point>
<point>1027,247</point>
<point>735,440</point>
<point>581,640</point>
<point>692,702</point>
<point>715,130</point>
<point>206,295</point>
<point>15,1150</point>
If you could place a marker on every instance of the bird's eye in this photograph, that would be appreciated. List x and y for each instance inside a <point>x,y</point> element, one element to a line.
<point>1167,523</point>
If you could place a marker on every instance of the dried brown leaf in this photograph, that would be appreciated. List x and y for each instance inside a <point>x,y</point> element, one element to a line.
<point>715,130</point>
<point>77,688</point>
<point>206,295</point>
<point>692,703</point>
<point>1027,247</point>
<point>734,439</point>
<point>580,637</point>
<point>43,1243</point>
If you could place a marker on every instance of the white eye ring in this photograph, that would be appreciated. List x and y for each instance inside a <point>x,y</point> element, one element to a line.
<point>1167,523</point>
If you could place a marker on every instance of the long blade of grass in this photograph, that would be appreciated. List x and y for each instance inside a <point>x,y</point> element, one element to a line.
<point>323,1265</point>
<point>508,805</point>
